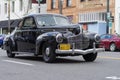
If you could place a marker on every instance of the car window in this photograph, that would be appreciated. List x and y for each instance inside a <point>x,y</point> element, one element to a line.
<point>29,22</point>
<point>106,36</point>
<point>61,20</point>
<point>110,36</point>
<point>102,37</point>
<point>45,20</point>
<point>49,20</point>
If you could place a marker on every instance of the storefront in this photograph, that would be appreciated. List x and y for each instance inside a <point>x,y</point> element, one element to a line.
<point>4,25</point>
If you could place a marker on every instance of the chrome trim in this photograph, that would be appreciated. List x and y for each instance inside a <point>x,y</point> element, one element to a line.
<point>95,37</point>
<point>73,52</point>
<point>79,51</point>
<point>82,52</point>
<point>59,38</point>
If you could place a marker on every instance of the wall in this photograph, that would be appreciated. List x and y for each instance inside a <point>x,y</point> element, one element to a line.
<point>117,16</point>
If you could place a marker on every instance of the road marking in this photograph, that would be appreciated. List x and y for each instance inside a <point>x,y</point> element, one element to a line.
<point>113,78</point>
<point>10,61</point>
<point>106,57</point>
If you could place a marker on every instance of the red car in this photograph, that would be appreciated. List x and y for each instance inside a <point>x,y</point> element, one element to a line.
<point>110,42</point>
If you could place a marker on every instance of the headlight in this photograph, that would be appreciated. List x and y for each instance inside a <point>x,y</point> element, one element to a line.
<point>76,31</point>
<point>97,38</point>
<point>59,38</point>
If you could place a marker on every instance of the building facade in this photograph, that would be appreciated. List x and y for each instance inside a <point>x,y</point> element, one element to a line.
<point>84,11</point>
<point>117,16</point>
<point>16,9</point>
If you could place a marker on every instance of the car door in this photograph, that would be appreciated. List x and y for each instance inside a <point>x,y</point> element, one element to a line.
<point>26,35</point>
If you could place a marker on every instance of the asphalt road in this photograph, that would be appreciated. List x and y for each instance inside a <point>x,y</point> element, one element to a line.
<point>27,67</point>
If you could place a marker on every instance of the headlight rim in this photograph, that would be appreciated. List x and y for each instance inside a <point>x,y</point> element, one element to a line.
<point>59,38</point>
<point>97,38</point>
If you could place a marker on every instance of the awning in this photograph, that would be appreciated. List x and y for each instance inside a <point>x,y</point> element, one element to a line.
<point>13,23</point>
<point>3,23</point>
<point>36,1</point>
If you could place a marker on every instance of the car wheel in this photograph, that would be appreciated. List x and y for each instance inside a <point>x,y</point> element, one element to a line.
<point>48,52</point>
<point>10,54</point>
<point>90,57</point>
<point>112,47</point>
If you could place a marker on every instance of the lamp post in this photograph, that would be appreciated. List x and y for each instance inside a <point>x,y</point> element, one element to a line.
<point>107,17</point>
<point>60,6</point>
<point>8,16</point>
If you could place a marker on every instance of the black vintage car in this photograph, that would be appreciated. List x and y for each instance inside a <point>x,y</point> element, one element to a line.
<point>51,35</point>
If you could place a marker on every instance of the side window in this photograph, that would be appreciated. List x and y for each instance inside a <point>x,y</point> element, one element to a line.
<point>103,36</point>
<point>110,36</point>
<point>20,24</point>
<point>29,22</point>
<point>107,37</point>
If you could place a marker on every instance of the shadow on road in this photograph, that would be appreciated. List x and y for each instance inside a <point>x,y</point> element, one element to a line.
<point>57,61</point>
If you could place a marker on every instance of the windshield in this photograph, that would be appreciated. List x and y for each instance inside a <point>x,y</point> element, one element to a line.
<point>49,20</point>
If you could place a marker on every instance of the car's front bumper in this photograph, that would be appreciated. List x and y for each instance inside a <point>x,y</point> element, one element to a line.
<point>79,51</point>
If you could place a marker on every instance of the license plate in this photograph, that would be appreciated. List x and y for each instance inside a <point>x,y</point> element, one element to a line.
<point>64,46</point>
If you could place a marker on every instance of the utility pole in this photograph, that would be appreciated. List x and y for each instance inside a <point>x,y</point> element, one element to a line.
<point>107,17</point>
<point>60,6</point>
<point>8,16</point>
<point>39,5</point>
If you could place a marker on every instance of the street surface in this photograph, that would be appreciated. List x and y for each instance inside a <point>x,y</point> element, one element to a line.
<point>27,67</point>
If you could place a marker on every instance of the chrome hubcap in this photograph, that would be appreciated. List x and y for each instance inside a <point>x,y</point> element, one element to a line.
<point>47,51</point>
<point>112,47</point>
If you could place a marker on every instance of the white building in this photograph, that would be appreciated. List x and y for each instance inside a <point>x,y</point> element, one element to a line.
<point>18,9</point>
<point>117,16</point>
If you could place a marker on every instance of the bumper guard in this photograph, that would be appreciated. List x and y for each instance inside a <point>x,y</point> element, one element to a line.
<point>79,51</point>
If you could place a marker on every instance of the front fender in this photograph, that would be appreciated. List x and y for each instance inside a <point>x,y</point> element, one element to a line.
<point>46,37</point>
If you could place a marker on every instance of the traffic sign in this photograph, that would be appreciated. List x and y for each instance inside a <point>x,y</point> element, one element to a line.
<point>108,15</point>
<point>110,24</point>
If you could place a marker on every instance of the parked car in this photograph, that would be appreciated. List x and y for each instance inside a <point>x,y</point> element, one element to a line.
<point>51,35</point>
<point>2,36</point>
<point>110,42</point>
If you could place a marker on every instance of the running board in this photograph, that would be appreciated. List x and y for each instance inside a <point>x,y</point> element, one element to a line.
<point>16,52</point>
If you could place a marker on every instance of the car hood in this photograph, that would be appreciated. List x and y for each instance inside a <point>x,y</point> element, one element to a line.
<point>70,27</point>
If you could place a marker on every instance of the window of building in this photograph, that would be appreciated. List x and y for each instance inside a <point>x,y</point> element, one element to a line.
<point>53,4</point>
<point>82,0</point>
<point>69,2</point>
<point>93,16</point>
<point>5,8</point>
<point>13,6</point>
<point>21,5</point>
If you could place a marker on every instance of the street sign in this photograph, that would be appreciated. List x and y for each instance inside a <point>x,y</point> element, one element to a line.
<point>108,15</point>
<point>110,24</point>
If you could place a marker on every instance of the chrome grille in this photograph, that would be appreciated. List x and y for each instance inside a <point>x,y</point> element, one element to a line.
<point>80,41</point>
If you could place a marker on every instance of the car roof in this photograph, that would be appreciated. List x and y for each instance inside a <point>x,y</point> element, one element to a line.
<point>36,14</point>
